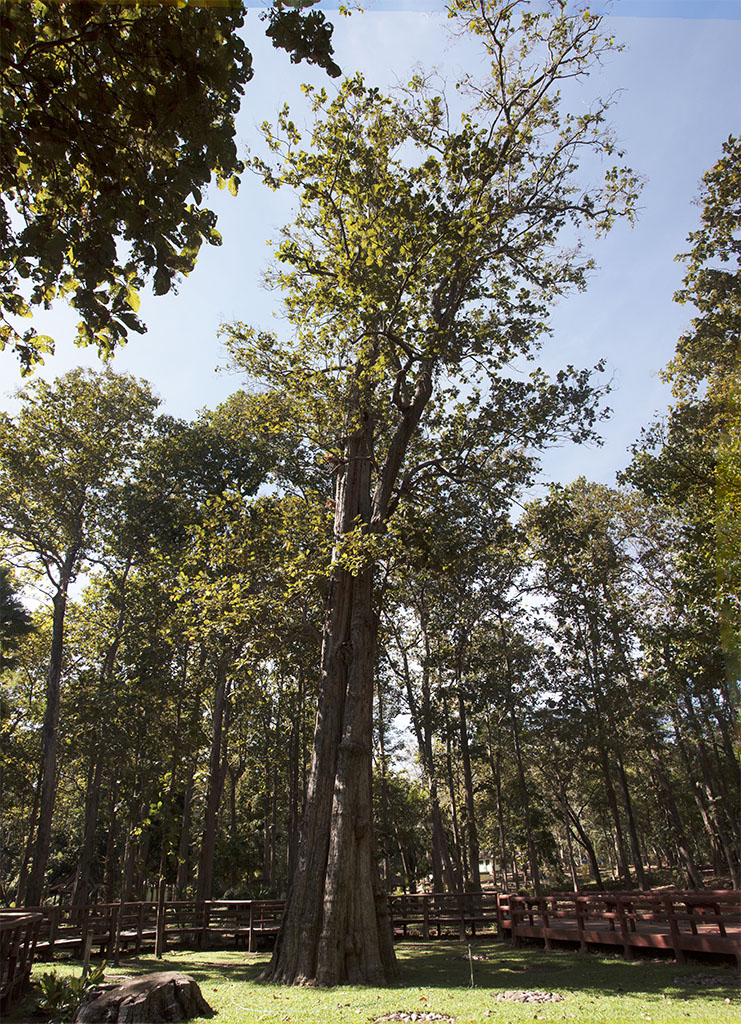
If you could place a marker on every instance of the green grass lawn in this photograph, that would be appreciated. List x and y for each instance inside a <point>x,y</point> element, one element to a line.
<point>435,977</point>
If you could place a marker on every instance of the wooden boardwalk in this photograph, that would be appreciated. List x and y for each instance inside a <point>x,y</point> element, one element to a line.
<point>681,922</point>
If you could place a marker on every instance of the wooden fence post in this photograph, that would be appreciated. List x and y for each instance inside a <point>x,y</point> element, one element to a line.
<point>543,906</point>
<point>205,913</point>
<point>54,916</point>
<point>87,949</point>
<point>139,927</point>
<point>515,911</point>
<point>113,915</point>
<point>159,928</point>
<point>461,900</point>
<point>674,928</point>
<point>620,911</point>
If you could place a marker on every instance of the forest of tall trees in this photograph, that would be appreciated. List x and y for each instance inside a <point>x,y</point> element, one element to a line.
<point>555,690</point>
<point>332,638</point>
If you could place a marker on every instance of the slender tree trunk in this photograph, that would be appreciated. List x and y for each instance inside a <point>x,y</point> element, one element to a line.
<point>20,896</point>
<point>384,789</point>
<point>131,848</point>
<point>458,847</point>
<point>294,769</point>
<point>630,819</point>
<point>588,845</point>
<point>183,872</point>
<point>81,890</point>
<point>216,775</point>
<point>272,862</point>
<point>712,796</point>
<point>620,849</point>
<point>569,842</point>
<point>719,863</point>
<point>496,771</point>
<point>443,875</point>
<point>109,868</point>
<point>693,873</point>
<point>471,830</point>
<point>532,852</point>
<point>443,871</point>
<point>50,733</point>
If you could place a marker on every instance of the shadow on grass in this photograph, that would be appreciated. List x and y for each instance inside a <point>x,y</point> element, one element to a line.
<point>495,967</point>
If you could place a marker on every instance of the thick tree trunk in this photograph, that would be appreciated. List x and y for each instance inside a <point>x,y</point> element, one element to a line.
<point>336,926</point>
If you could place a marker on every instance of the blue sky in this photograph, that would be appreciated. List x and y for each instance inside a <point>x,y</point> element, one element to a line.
<point>680,98</point>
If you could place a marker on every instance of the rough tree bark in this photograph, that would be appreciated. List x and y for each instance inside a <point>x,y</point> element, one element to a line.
<point>336,926</point>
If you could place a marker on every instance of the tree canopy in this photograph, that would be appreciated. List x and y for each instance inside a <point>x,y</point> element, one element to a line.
<point>115,117</point>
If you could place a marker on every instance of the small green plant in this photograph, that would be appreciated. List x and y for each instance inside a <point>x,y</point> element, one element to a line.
<point>62,996</point>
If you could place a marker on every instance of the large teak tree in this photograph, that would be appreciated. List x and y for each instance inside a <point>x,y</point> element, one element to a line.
<point>422,262</point>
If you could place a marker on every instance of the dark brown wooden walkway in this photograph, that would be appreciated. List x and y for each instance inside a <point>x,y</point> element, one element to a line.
<point>682,922</point>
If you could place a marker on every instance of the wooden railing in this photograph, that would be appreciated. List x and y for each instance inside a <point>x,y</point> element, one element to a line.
<point>19,932</point>
<point>115,928</point>
<point>429,914</point>
<point>679,921</point>
<point>684,922</point>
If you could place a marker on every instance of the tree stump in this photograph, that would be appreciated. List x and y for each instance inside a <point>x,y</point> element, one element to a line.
<point>148,999</point>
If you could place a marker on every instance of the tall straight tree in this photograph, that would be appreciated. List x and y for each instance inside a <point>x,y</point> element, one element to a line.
<point>61,459</point>
<point>423,260</point>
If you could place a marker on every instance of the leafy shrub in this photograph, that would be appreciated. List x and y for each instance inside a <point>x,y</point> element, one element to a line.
<point>62,996</point>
